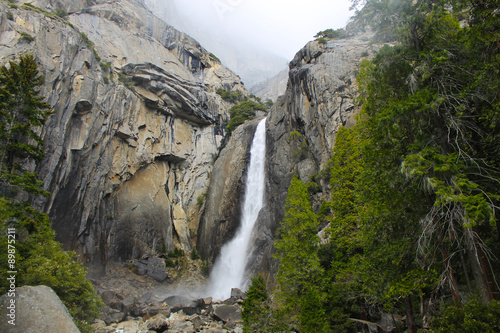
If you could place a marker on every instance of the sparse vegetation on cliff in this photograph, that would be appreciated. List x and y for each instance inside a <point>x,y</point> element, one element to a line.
<point>243,112</point>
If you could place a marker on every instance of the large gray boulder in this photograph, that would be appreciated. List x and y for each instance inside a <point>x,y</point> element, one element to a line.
<point>35,310</point>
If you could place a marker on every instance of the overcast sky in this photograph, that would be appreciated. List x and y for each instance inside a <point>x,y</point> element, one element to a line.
<point>283,26</point>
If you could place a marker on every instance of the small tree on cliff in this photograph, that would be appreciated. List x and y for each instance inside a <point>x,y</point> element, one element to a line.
<point>30,248</point>
<point>298,293</point>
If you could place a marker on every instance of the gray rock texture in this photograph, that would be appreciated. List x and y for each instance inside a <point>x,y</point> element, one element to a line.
<point>222,210</point>
<point>271,88</point>
<point>319,99</point>
<point>37,310</point>
<point>137,124</point>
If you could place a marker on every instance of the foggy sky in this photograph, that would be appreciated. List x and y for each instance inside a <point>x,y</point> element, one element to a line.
<point>280,26</point>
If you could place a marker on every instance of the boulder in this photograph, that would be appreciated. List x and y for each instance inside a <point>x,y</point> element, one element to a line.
<point>109,315</point>
<point>227,313</point>
<point>156,269</point>
<point>237,293</point>
<point>35,310</point>
<point>177,300</point>
<point>158,323</point>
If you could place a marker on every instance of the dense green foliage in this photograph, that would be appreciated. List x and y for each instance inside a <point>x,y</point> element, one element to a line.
<point>300,274</point>
<point>256,313</point>
<point>230,95</point>
<point>39,259</point>
<point>242,112</point>
<point>414,202</point>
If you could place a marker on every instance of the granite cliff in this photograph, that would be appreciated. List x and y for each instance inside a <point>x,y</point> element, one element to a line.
<point>301,129</point>
<point>137,159</point>
<point>137,125</point>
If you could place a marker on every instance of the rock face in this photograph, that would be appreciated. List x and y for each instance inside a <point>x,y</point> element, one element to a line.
<point>301,129</point>
<point>222,211</point>
<point>272,88</point>
<point>37,310</point>
<point>137,124</point>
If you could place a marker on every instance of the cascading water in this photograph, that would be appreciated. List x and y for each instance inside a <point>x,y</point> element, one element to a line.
<point>228,271</point>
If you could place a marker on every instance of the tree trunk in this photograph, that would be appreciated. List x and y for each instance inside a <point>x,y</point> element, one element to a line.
<point>410,316</point>
<point>450,276</point>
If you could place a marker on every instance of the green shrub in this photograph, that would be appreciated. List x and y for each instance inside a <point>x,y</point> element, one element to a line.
<point>332,34</point>
<point>170,263</point>
<point>61,12</point>
<point>127,82</point>
<point>213,57</point>
<point>322,40</point>
<point>269,103</point>
<point>205,267</point>
<point>195,255</point>
<point>51,266</point>
<point>230,96</point>
<point>473,316</point>
<point>105,65</point>
<point>176,253</point>
<point>313,188</point>
<point>90,45</point>
<point>26,37</point>
<point>12,4</point>
<point>9,15</point>
<point>201,199</point>
<point>242,112</point>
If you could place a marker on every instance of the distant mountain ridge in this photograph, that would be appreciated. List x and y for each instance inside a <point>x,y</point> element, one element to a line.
<point>253,65</point>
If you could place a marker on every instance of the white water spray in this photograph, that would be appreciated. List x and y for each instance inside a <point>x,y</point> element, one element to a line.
<point>228,271</point>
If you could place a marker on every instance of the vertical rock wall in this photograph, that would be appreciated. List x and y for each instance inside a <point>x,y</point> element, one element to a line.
<point>301,129</point>
<point>137,124</point>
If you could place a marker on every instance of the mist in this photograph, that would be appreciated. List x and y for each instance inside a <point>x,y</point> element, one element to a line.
<point>254,38</point>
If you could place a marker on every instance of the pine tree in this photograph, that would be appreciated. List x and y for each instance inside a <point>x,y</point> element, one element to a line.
<point>256,313</point>
<point>299,273</point>
<point>35,255</point>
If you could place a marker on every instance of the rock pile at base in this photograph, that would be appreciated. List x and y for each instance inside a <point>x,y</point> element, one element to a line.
<point>175,313</point>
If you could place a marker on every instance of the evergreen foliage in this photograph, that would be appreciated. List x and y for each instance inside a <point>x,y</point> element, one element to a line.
<point>414,203</point>
<point>300,274</point>
<point>256,313</point>
<point>39,259</point>
<point>242,112</point>
<point>332,34</point>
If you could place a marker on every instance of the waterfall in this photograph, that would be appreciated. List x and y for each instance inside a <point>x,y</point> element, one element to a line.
<point>228,271</point>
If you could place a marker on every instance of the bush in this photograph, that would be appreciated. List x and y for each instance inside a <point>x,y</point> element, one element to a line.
<point>127,82</point>
<point>61,12</point>
<point>176,253</point>
<point>313,188</point>
<point>322,40</point>
<point>230,96</point>
<point>473,316</point>
<point>201,199</point>
<point>332,34</point>
<point>242,112</point>
<point>195,255</point>
<point>50,265</point>
<point>26,37</point>
<point>214,58</point>
<point>9,15</point>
